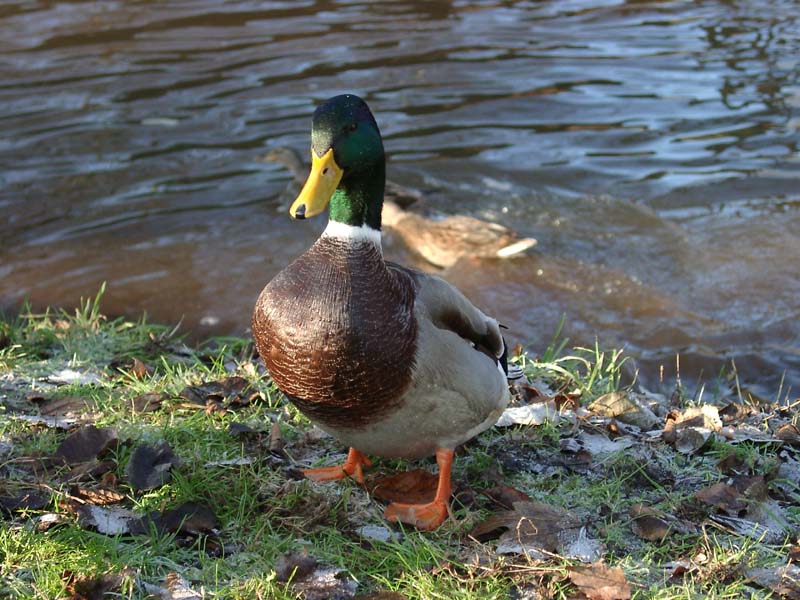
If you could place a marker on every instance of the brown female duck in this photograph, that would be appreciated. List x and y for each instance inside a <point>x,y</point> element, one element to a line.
<point>441,240</point>
<point>391,361</point>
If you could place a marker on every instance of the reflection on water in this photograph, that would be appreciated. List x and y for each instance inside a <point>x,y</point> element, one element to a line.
<point>651,147</point>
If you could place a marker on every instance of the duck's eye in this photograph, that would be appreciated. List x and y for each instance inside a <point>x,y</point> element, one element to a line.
<point>351,127</point>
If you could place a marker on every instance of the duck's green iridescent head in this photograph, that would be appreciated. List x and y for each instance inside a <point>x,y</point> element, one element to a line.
<point>348,167</point>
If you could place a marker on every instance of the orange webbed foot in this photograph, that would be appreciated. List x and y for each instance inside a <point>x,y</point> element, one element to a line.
<point>422,516</point>
<point>427,516</point>
<point>352,467</point>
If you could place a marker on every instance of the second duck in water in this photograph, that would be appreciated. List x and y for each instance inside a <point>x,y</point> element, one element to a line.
<point>441,240</point>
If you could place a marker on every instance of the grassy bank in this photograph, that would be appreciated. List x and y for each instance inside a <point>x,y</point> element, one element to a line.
<point>134,465</point>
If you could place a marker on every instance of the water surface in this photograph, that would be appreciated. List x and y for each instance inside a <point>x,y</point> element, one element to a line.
<point>650,147</point>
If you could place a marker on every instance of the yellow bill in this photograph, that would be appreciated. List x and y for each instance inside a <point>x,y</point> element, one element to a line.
<point>319,187</point>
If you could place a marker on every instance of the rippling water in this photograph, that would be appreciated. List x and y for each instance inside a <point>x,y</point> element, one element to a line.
<point>651,147</point>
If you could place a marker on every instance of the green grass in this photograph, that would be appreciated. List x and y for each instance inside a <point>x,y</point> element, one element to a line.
<point>265,513</point>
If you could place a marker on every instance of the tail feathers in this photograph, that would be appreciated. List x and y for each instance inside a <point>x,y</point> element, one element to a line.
<point>516,247</point>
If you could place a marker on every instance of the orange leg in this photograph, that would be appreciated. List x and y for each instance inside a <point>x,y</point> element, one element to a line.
<point>352,467</point>
<point>427,516</point>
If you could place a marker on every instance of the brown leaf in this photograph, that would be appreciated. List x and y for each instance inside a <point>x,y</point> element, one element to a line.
<point>33,500</point>
<point>625,408</point>
<point>723,497</point>
<point>35,397</point>
<point>649,523</point>
<point>231,391</point>
<point>190,518</point>
<point>175,588</point>
<point>784,580</point>
<point>294,566</point>
<point>752,488</point>
<point>731,464</point>
<point>149,467</point>
<point>735,412</point>
<point>654,525</point>
<point>412,487</point>
<point>90,471</point>
<point>98,496</point>
<point>567,401</point>
<point>276,442</point>
<point>148,402</point>
<point>311,581</point>
<point>505,496</point>
<point>690,430</point>
<point>598,582</point>
<point>87,444</point>
<point>789,434</point>
<point>237,429</point>
<point>689,440</point>
<point>529,523</point>
<point>325,583</point>
<point>67,406</point>
<point>93,587</point>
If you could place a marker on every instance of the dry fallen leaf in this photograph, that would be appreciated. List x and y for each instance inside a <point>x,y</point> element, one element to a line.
<point>135,367</point>
<point>690,430</point>
<point>412,487</point>
<point>783,581</point>
<point>175,588</point>
<point>654,525</point>
<point>621,406</point>
<point>87,444</point>
<point>108,521</point>
<point>789,434</point>
<point>72,406</point>
<point>794,553</point>
<point>735,412</point>
<point>25,500</point>
<point>530,525</point>
<point>147,402</point>
<point>294,565</point>
<point>98,496</point>
<point>190,518</point>
<point>149,467</point>
<point>311,581</point>
<point>93,587</point>
<point>648,523</point>
<point>598,582</point>
<point>505,496</point>
<point>732,464</point>
<point>229,392</point>
<point>723,497</point>
<point>91,471</point>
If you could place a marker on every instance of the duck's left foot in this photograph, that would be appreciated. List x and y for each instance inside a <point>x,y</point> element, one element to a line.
<point>352,467</point>
<point>422,516</point>
<point>427,516</point>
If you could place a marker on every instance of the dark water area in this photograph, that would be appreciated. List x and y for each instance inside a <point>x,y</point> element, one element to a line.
<point>650,147</point>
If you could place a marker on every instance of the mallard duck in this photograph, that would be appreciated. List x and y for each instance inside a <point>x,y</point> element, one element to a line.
<point>444,241</point>
<point>391,361</point>
<point>441,240</point>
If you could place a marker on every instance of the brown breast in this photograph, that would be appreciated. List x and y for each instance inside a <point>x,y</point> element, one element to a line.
<point>336,332</point>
